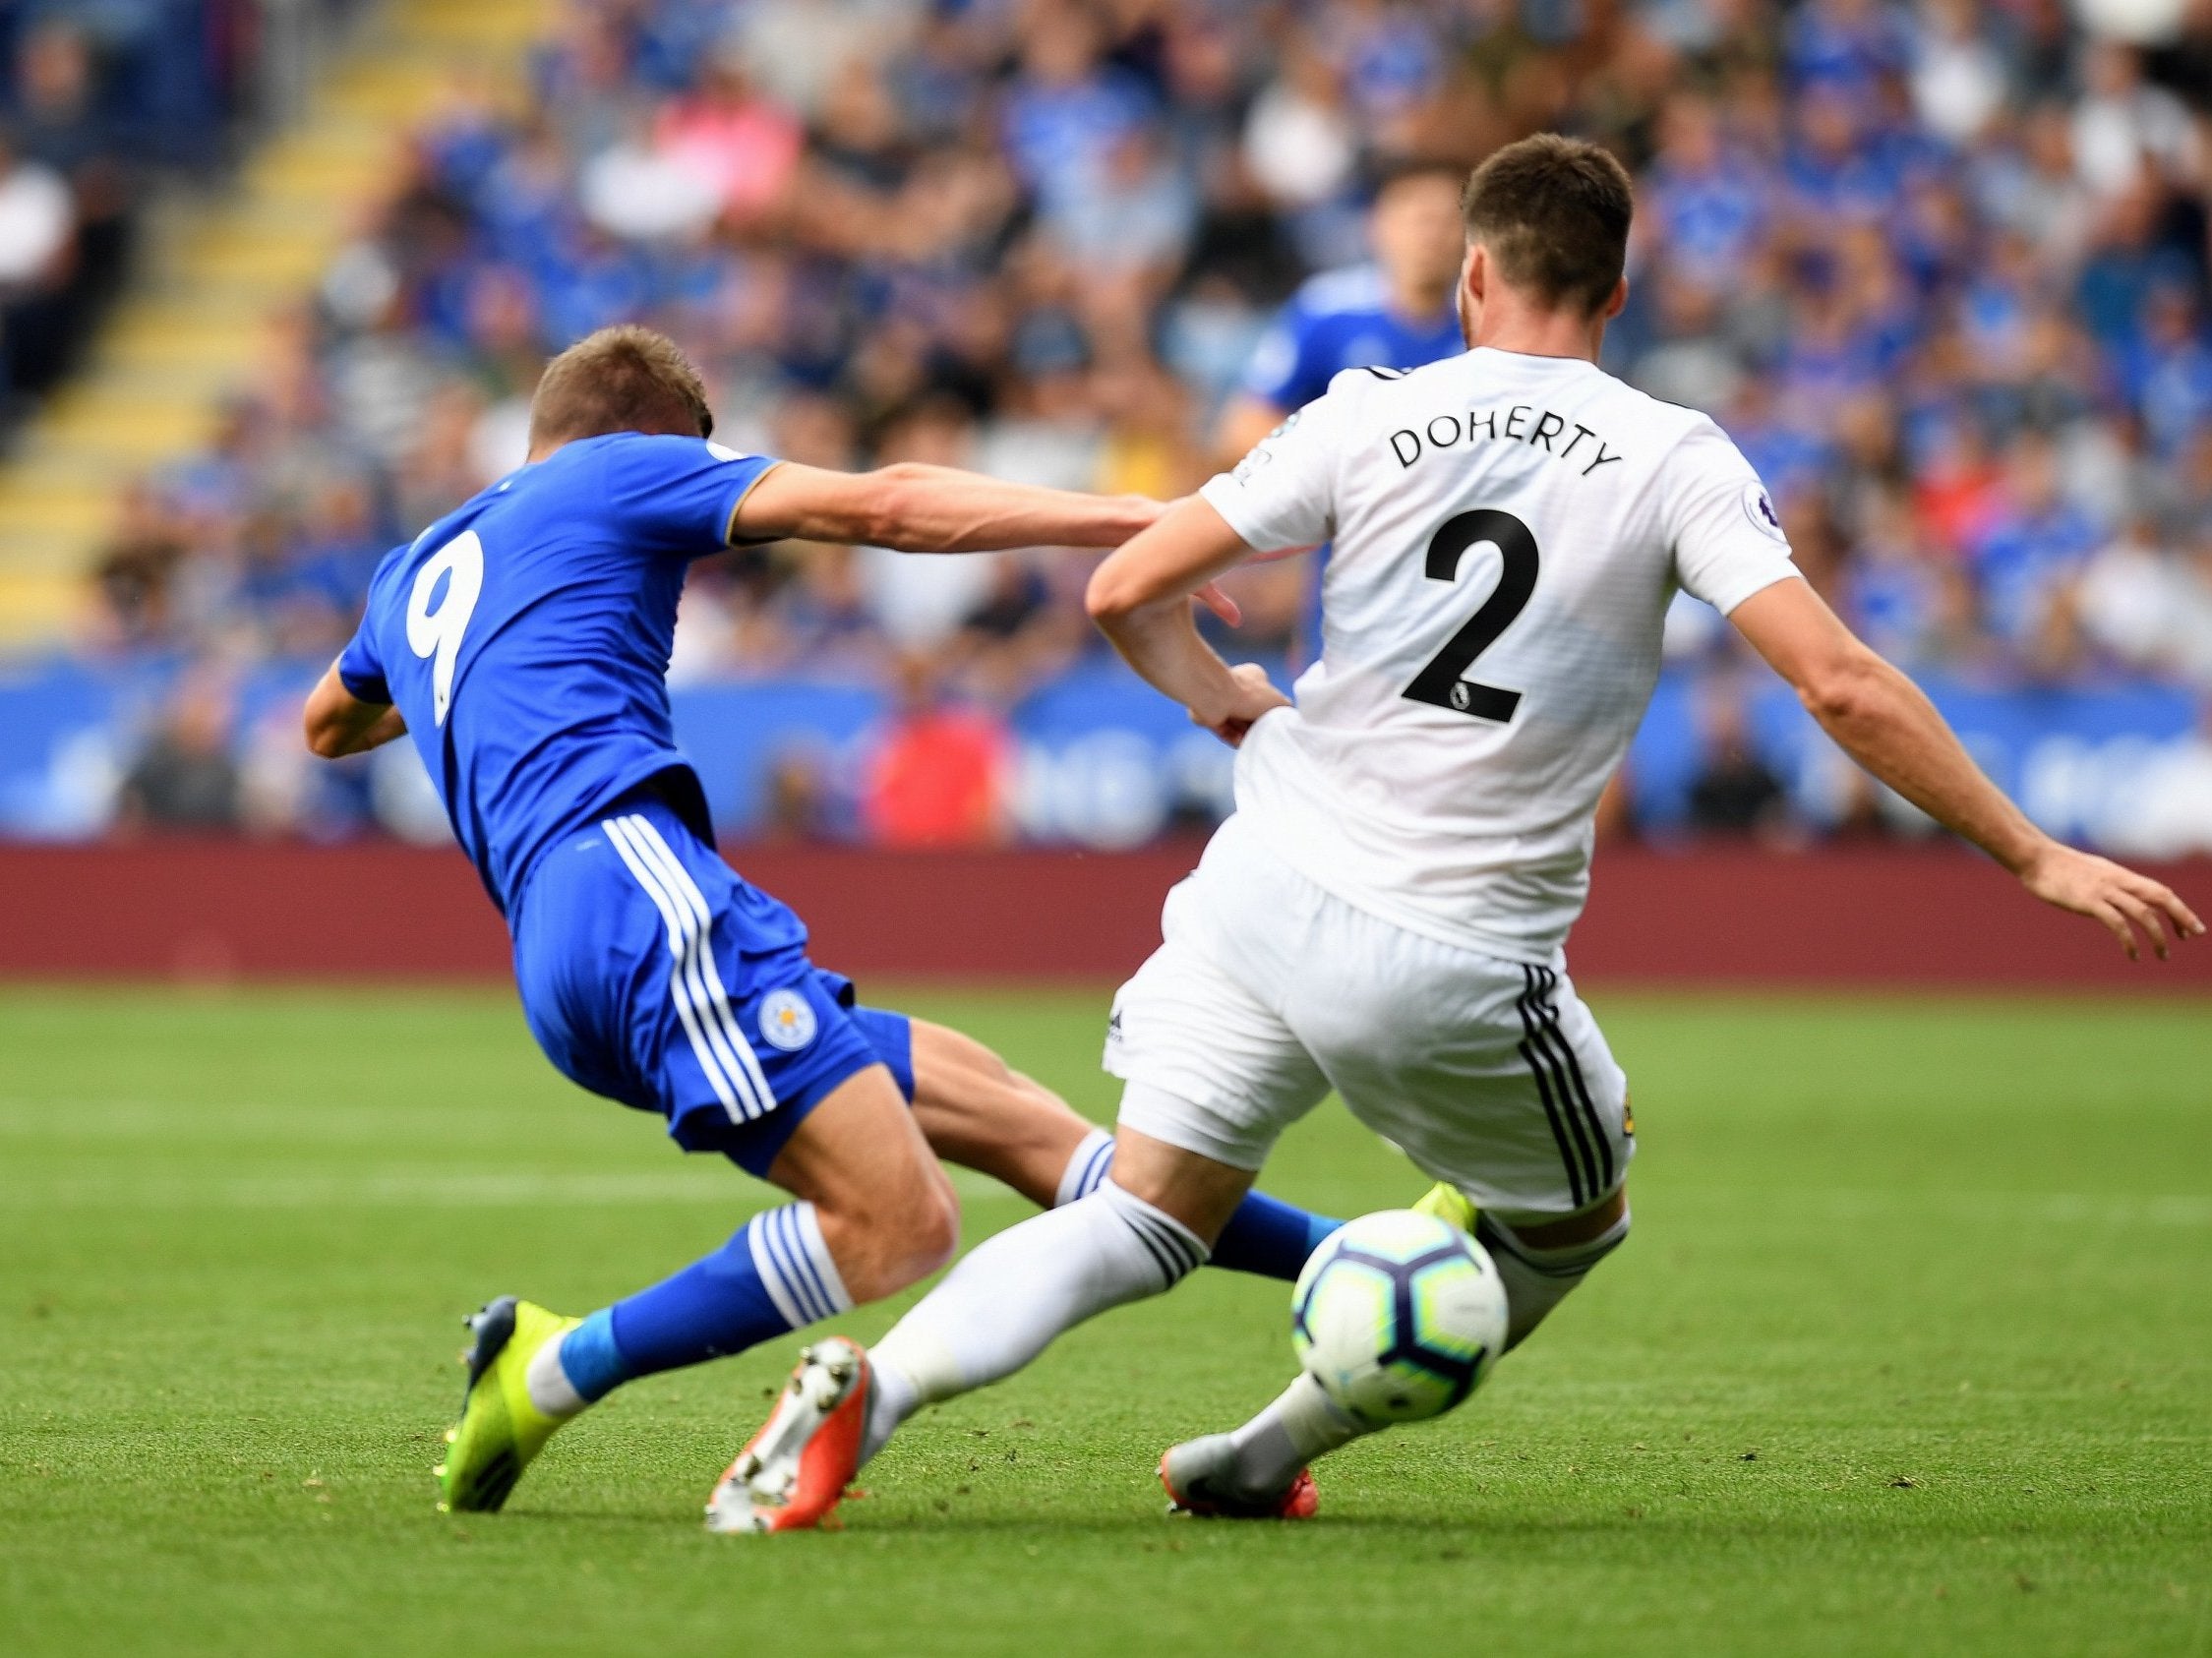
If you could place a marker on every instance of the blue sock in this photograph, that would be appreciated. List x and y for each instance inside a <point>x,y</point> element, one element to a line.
<point>591,1359</point>
<point>1266,1235</point>
<point>1269,1237</point>
<point>774,1275</point>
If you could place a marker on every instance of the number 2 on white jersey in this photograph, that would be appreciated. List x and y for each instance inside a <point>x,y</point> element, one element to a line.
<point>1441,682</point>
<point>438,632</point>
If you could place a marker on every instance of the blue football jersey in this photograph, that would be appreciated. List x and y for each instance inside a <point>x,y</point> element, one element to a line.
<point>525,639</point>
<point>1341,319</point>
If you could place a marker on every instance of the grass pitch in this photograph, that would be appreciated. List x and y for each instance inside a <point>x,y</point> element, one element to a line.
<point>1912,1350</point>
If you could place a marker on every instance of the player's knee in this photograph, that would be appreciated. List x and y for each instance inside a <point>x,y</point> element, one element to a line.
<point>901,1234</point>
<point>933,1225</point>
<point>920,1239</point>
<point>1536,1280</point>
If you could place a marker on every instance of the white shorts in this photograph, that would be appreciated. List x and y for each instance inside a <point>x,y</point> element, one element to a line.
<point>1267,991</point>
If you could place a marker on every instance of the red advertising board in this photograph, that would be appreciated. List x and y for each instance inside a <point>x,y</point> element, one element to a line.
<point>222,910</point>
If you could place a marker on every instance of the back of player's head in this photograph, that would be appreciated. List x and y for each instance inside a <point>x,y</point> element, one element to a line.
<point>622,378</point>
<point>1554,213</point>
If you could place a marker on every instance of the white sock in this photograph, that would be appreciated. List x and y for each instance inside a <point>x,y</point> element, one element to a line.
<point>1004,1303</point>
<point>549,1386</point>
<point>1538,1280</point>
<point>895,1398</point>
<point>1092,1158</point>
<point>794,1265</point>
<point>1301,1425</point>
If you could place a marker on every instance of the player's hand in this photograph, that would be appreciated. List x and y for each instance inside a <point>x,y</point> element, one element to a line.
<point>2112,894</point>
<point>1250,697</point>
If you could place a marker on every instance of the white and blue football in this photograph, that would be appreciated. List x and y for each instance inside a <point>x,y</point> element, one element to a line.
<point>1398,1315</point>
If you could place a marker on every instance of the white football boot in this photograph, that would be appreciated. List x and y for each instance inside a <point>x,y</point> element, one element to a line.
<point>1200,1478</point>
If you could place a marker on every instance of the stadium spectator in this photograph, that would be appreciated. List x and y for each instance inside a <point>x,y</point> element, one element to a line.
<point>57,123</point>
<point>185,779</point>
<point>1023,631</point>
<point>2151,608</point>
<point>2035,544</point>
<point>1397,311</point>
<point>136,578</point>
<point>1734,792</point>
<point>742,147</point>
<point>938,777</point>
<point>800,808</point>
<point>38,233</point>
<point>93,98</point>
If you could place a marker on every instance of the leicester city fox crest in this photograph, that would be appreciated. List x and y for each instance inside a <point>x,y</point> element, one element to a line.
<point>787,1021</point>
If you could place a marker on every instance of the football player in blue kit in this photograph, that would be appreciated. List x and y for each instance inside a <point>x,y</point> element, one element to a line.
<point>522,641</point>
<point>1396,312</point>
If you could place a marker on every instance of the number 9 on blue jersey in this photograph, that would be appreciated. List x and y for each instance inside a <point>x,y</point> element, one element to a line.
<point>439,631</point>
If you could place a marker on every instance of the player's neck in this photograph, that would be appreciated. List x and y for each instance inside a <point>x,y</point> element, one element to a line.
<point>1530,331</point>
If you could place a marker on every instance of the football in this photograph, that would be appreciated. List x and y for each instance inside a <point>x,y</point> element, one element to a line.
<point>1398,1315</point>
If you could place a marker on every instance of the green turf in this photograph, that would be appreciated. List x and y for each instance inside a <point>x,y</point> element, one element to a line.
<point>1912,1351</point>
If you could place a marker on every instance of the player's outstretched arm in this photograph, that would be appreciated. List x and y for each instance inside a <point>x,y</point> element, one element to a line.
<point>339,723</point>
<point>1885,723</point>
<point>1140,598</point>
<point>919,508</point>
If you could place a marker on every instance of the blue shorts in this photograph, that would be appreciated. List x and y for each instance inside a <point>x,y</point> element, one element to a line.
<point>651,974</point>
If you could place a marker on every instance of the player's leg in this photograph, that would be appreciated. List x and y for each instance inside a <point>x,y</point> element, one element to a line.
<point>648,970</point>
<point>1213,1078</point>
<point>1540,1263</point>
<point>1261,1469</point>
<point>977,1111</point>
<point>997,1310</point>
<point>885,1211</point>
<point>1147,1226</point>
<point>872,1213</point>
<point>1494,1078</point>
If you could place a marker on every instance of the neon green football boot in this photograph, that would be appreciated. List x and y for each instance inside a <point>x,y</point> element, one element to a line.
<point>1449,1203</point>
<point>500,1431</point>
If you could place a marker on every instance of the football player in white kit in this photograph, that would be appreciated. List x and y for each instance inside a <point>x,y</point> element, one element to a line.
<point>1385,912</point>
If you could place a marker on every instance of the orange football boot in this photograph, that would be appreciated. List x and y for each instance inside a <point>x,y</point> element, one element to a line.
<point>795,1471</point>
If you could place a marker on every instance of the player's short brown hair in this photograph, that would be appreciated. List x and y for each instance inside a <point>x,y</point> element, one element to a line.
<point>623,379</point>
<point>1554,213</point>
<point>1413,168</point>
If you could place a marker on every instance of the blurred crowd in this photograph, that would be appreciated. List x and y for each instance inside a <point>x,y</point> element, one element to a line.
<point>93,94</point>
<point>1941,269</point>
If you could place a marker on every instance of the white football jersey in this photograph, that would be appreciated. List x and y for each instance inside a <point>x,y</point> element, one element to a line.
<point>1509,531</point>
